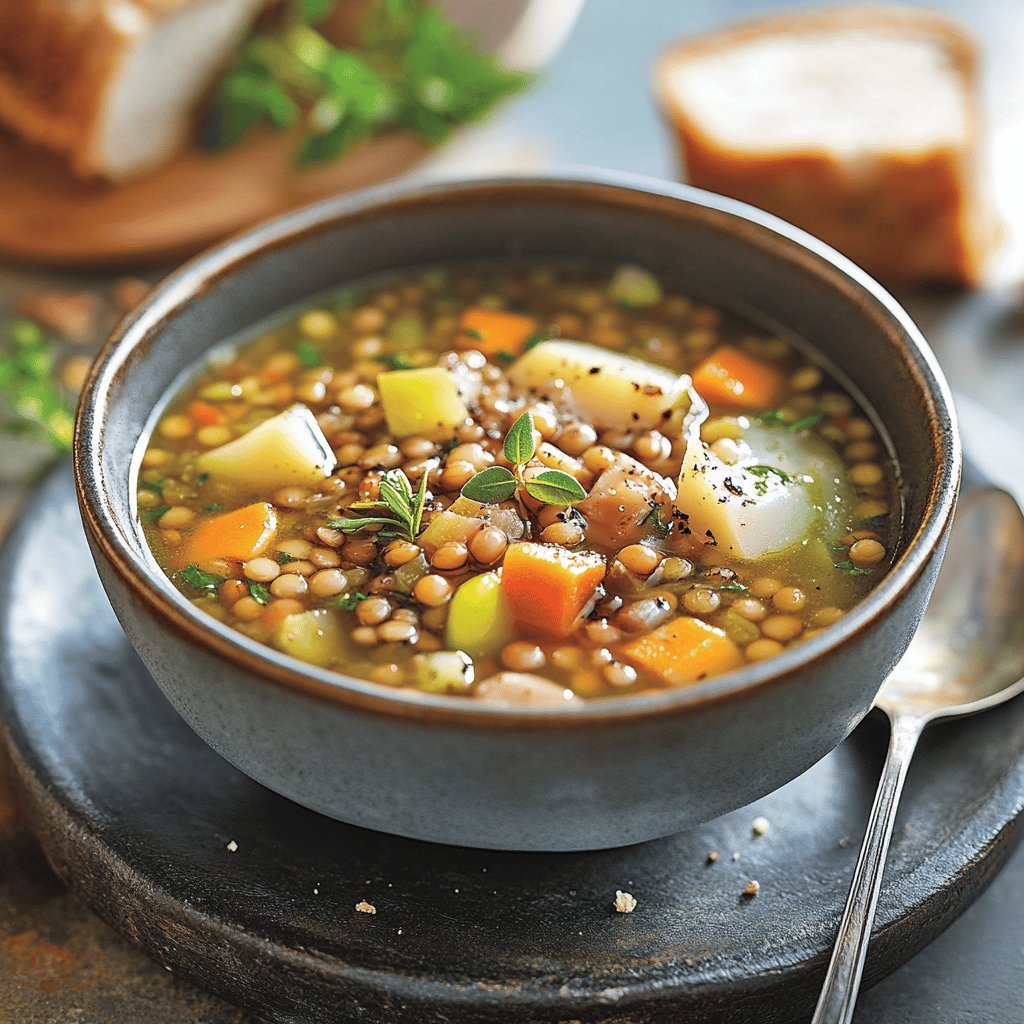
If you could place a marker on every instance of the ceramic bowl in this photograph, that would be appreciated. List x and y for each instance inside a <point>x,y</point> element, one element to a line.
<point>615,771</point>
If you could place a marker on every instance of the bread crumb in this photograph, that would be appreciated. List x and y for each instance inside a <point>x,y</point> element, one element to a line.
<point>625,902</point>
<point>712,856</point>
<point>760,826</point>
<point>366,908</point>
<point>232,846</point>
<point>752,889</point>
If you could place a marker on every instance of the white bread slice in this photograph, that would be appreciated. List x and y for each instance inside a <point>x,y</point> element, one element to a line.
<point>112,83</point>
<point>860,125</point>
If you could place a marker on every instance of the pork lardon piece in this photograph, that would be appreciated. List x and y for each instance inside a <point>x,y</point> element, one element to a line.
<point>112,83</point>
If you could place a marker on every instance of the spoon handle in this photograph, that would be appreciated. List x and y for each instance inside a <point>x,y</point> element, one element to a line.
<point>839,993</point>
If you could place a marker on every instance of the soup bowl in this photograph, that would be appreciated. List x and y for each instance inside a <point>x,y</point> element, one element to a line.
<point>613,771</point>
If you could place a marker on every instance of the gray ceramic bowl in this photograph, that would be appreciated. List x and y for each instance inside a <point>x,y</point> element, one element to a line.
<point>616,771</point>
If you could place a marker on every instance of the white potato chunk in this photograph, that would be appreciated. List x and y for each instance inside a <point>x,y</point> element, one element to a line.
<point>605,388</point>
<point>289,448</point>
<point>769,499</point>
<point>523,690</point>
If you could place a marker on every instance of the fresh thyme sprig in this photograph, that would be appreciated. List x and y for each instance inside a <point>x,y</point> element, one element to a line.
<point>412,69</point>
<point>396,497</point>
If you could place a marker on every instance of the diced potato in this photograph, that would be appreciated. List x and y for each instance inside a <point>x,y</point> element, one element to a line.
<point>315,636</point>
<point>683,651</point>
<point>444,672</point>
<point>421,403</point>
<point>750,511</point>
<point>521,689</point>
<point>448,526</point>
<point>620,501</point>
<point>289,448</point>
<point>607,389</point>
<point>479,619</point>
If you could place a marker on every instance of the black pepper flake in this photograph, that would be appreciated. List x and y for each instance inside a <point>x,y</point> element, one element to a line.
<point>636,416</point>
<point>594,369</point>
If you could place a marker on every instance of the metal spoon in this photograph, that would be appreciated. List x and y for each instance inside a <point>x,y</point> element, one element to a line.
<point>967,656</point>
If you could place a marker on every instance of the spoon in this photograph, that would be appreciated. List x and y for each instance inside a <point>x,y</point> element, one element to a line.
<point>967,656</point>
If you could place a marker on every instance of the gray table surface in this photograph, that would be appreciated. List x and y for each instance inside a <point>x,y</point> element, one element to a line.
<point>592,107</point>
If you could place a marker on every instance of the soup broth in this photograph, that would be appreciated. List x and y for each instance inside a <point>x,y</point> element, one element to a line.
<point>534,485</point>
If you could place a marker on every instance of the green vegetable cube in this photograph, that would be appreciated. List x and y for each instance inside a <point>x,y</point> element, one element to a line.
<point>479,619</point>
<point>421,403</point>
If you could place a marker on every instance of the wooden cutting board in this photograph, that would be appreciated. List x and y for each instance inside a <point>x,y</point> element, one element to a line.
<point>47,215</point>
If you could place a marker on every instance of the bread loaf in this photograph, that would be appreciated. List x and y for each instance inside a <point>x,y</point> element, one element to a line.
<point>860,125</point>
<point>112,83</point>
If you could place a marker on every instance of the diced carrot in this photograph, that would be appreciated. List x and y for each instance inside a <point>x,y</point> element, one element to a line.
<point>493,331</point>
<point>547,587</point>
<point>205,413</point>
<point>237,536</point>
<point>730,377</point>
<point>683,651</point>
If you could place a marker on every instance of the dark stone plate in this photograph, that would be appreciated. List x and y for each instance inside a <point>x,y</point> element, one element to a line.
<point>136,814</point>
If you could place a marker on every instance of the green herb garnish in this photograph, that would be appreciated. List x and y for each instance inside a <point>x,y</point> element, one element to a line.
<point>849,568</point>
<point>413,68</point>
<point>215,506</point>
<point>653,518</point>
<point>504,356</point>
<point>491,485</point>
<point>195,577</point>
<point>472,332</point>
<point>156,513</point>
<point>520,442</point>
<point>763,472</point>
<point>533,341</point>
<point>259,593</point>
<point>156,486</point>
<point>806,422</point>
<point>774,418</point>
<point>202,478</point>
<point>283,558</point>
<point>494,484</point>
<point>347,602</point>
<point>32,396</point>
<point>554,487</point>
<point>309,354</point>
<point>396,361</point>
<point>396,497</point>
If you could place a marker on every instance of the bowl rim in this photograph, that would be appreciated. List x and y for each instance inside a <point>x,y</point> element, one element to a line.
<point>148,585</point>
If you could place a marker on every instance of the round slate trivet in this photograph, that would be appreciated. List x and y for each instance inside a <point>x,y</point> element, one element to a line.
<point>137,815</point>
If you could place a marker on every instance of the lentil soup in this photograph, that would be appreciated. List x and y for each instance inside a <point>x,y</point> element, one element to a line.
<point>532,485</point>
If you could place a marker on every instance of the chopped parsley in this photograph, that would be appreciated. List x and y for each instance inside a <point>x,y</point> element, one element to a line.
<point>309,354</point>
<point>734,587</point>
<point>806,422</point>
<point>533,341</point>
<point>202,478</point>
<point>347,602</point>
<point>396,361</point>
<point>653,518</point>
<point>763,473</point>
<point>156,513</point>
<point>504,356</point>
<point>195,577</point>
<point>472,332</point>
<point>215,506</point>
<point>850,569</point>
<point>283,558</point>
<point>259,593</point>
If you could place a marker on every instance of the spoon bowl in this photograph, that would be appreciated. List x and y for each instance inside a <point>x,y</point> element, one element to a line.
<point>967,656</point>
<point>968,653</point>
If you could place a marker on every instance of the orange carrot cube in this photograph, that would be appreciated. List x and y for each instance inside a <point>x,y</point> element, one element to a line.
<point>547,587</point>
<point>236,536</point>
<point>728,376</point>
<point>493,331</point>
<point>684,650</point>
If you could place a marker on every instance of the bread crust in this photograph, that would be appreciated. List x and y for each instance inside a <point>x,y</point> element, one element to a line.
<point>908,218</point>
<point>59,60</point>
